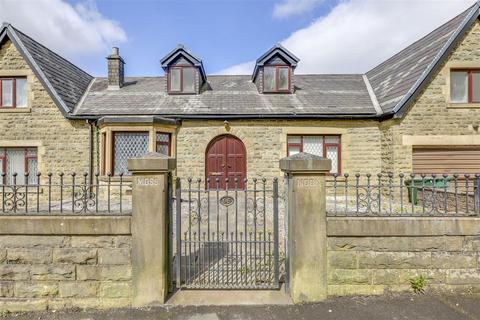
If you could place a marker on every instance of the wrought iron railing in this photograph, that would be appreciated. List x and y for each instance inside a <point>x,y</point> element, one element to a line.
<point>403,195</point>
<point>226,233</point>
<point>64,194</point>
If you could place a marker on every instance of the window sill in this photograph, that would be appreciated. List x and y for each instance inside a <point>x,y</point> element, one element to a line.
<point>15,110</point>
<point>463,105</point>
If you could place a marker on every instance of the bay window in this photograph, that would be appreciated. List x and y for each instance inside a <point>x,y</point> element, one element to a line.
<point>19,161</point>
<point>276,79</point>
<point>465,86</point>
<point>327,146</point>
<point>13,92</point>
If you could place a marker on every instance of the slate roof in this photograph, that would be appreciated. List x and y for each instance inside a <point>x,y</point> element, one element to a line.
<point>232,95</point>
<point>393,79</point>
<point>66,82</point>
<point>384,91</point>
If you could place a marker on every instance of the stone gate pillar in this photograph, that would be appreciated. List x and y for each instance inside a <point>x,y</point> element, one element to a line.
<point>307,226</point>
<point>149,227</point>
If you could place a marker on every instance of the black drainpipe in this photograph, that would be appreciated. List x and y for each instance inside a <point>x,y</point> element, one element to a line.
<point>90,153</point>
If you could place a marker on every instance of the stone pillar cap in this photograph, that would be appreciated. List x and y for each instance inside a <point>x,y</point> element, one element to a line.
<point>305,162</point>
<point>152,162</point>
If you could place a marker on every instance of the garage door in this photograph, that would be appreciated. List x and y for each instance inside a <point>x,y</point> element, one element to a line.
<point>446,160</point>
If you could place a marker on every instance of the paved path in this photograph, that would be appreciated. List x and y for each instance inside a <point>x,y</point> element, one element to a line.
<point>398,307</point>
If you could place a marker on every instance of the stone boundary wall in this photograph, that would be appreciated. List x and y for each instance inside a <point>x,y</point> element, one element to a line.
<point>377,255</point>
<point>49,262</point>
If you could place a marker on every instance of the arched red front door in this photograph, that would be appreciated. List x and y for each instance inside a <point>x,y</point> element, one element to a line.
<point>226,157</point>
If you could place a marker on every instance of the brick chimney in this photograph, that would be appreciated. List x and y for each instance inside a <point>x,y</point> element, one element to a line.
<point>115,70</point>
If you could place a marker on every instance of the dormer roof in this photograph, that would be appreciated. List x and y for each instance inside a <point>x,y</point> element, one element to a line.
<point>179,52</point>
<point>276,50</point>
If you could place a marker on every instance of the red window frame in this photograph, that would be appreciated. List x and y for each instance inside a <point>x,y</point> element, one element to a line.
<point>325,145</point>
<point>163,143</point>
<point>26,157</point>
<point>113,146</point>
<point>469,83</point>
<point>277,78</point>
<point>181,91</point>
<point>14,93</point>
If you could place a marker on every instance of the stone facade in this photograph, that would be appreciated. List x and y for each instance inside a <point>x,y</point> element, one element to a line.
<point>62,145</point>
<point>266,143</point>
<point>39,272</point>
<point>375,265</point>
<point>433,115</point>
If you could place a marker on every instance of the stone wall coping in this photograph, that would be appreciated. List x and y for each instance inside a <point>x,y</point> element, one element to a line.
<point>152,162</point>
<point>402,226</point>
<point>65,225</point>
<point>305,162</point>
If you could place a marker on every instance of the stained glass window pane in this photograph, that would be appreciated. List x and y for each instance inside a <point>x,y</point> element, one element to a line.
<point>293,150</point>
<point>313,145</point>
<point>283,78</point>
<point>175,75</point>
<point>32,170</point>
<point>128,145</point>
<point>475,86</point>
<point>15,164</point>
<point>458,86</point>
<point>269,78</point>
<point>188,80</point>
<point>332,154</point>
<point>163,143</point>
<point>7,88</point>
<point>21,94</point>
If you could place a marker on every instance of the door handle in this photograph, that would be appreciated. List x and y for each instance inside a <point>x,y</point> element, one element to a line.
<point>215,173</point>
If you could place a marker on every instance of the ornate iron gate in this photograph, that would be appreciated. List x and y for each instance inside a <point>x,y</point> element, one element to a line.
<point>225,238</point>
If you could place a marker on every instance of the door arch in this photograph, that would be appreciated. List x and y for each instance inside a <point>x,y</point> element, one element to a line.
<point>226,157</point>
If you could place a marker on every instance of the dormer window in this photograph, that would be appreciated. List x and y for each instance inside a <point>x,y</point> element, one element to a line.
<point>274,71</point>
<point>182,80</point>
<point>276,79</point>
<point>184,71</point>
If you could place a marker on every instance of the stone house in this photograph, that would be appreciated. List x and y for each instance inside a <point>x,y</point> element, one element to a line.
<point>417,111</point>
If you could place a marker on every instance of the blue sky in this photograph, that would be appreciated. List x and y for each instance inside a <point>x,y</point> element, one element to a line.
<point>329,36</point>
<point>222,32</point>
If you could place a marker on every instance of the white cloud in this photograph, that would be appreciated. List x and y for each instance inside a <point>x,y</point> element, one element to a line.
<point>66,29</point>
<point>289,8</point>
<point>356,35</point>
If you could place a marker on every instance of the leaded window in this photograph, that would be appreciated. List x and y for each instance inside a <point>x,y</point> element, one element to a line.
<point>163,143</point>
<point>327,146</point>
<point>19,161</point>
<point>127,145</point>
<point>13,92</point>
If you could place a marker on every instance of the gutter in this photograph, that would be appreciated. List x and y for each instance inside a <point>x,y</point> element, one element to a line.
<point>369,116</point>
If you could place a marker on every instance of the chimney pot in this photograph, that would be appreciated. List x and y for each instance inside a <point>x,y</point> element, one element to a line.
<point>115,51</point>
